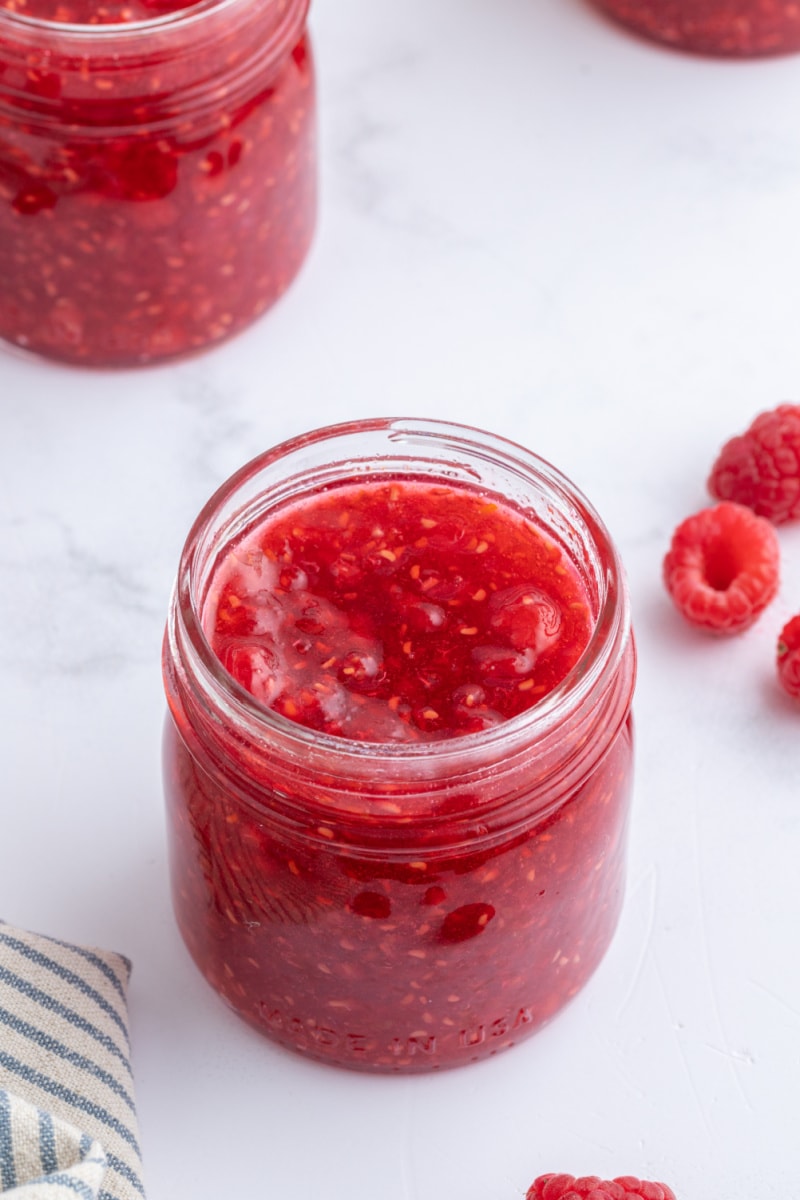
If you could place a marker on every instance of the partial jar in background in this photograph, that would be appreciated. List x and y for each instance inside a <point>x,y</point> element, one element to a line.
<point>431,897</point>
<point>727,28</point>
<point>157,172</point>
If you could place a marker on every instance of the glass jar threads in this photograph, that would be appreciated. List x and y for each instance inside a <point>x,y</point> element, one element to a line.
<point>399,670</point>
<point>157,172</point>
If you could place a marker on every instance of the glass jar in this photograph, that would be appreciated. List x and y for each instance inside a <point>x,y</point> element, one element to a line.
<point>398,906</point>
<point>730,28</point>
<point>157,172</point>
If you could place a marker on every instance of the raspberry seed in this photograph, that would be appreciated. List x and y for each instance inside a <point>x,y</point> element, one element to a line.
<point>722,568</point>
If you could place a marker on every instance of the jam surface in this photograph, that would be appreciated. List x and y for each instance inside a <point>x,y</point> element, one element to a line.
<point>405,611</point>
<point>398,611</point>
<point>739,28</point>
<point>153,201</point>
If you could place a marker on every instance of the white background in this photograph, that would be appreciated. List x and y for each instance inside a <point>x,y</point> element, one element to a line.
<point>534,223</point>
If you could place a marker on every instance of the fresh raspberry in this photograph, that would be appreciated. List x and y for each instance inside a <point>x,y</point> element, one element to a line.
<point>591,1187</point>
<point>761,467</point>
<point>722,568</point>
<point>788,657</point>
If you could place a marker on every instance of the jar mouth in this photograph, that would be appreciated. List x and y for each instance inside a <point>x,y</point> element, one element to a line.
<point>192,15</point>
<point>407,437</point>
<point>78,29</point>
<point>193,56</point>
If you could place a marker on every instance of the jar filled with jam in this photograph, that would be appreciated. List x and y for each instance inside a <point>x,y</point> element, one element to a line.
<point>157,172</point>
<point>399,670</point>
<point>729,28</point>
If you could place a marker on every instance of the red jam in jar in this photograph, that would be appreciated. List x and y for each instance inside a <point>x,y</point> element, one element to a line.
<point>398,759</point>
<point>731,28</point>
<point>157,172</point>
<point>398,611</point>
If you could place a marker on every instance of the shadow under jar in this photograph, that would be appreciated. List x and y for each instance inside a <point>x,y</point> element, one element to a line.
<point>157,172</point>
<point>728,28</point>
<point>399,670</point>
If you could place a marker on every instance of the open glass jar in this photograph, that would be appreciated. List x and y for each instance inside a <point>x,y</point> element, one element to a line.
<point>729,28</point>
<point>399,895</point>
<point>157,172</point>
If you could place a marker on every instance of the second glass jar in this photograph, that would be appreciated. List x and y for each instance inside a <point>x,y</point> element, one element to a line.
<point>157,173</point>
<point>726,28</point>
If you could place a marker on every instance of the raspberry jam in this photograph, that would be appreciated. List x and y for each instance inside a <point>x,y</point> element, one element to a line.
<point>157,172</point>
<point>397,765</point>
<point>398,612</point>
<point>733,28</point>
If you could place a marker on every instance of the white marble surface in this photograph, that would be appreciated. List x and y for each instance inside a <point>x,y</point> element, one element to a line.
<point>533,223</point>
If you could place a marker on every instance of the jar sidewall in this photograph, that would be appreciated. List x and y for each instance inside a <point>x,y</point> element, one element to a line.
<point>468,814</point>
<point>255,909</point>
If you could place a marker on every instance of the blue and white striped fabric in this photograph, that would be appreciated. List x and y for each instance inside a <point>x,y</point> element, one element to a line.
<point>67,1114</point>
<point>45,1159</point>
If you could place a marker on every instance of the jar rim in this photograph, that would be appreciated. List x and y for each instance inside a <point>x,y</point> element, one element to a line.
<point>605,647</point>
<point>184,53</point>
<point>179,19</point>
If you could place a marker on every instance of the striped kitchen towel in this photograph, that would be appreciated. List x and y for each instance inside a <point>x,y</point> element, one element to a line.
<point>67,1114</point>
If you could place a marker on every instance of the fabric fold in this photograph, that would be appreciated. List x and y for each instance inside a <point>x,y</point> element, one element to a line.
<point>43,1158</point>
<point>67,1106</point>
